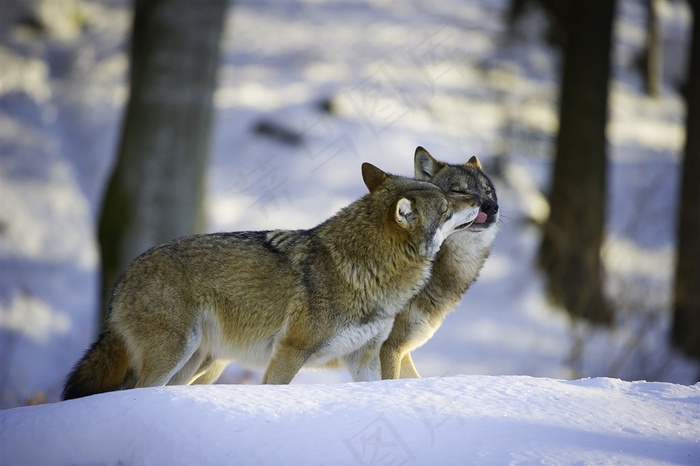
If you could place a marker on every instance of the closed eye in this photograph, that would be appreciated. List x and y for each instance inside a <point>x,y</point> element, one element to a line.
<point>461,192</point>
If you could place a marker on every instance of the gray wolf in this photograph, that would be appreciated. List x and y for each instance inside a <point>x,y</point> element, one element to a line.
<point>277,300</point>
<point>457,264</point>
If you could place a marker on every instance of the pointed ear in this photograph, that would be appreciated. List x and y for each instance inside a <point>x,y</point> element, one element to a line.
<point>372,176</point>
<point>403,212</point>
<point>425,166</point>
<point>473,162</point>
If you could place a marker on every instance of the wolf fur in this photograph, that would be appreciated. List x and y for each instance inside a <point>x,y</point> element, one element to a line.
<point>457,264</point>
<point>277,300</point>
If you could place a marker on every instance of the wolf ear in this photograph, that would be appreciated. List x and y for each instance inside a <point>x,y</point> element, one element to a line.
<point>372,176</point>
<point>403,212</point>
<point>473,162</point>
<point>425,165</point>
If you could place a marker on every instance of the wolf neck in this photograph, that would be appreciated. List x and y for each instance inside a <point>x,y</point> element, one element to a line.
<point>370,247</point>
<point>455,268</point>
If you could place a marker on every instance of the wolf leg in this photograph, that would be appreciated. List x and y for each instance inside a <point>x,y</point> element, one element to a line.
<point>158,368</point>
<point>390,357</point>
<point>286,361</point>
<point>364,364</point>
<point>408,369</point>
<point>209,372</point>
<point>189,370</point>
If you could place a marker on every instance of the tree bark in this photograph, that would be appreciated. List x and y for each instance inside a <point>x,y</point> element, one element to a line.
<point>156,190</point>
<point>654,52</point>
<point>686,315</point>
<point>573,234</point>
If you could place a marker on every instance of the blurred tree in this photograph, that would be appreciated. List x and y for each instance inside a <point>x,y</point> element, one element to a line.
<point>573,234</point>
<point>686,315</point>
<point>557,12</point>
<point>156,189</point>
<point>653,64</point>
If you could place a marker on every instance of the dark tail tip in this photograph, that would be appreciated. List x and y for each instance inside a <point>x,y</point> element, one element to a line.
<point>102,368</point>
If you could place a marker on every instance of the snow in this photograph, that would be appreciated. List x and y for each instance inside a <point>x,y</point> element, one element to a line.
<point>397,75</point>
<point>448,420</point>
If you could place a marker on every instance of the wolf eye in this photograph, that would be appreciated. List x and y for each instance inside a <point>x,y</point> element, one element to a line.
<point>461,192</point>
<point>488,191</point>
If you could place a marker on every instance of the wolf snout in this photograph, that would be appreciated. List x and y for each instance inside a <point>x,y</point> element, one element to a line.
<point>489,208</point>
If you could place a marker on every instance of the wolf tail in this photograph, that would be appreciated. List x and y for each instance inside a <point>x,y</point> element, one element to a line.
<point>103,368</point>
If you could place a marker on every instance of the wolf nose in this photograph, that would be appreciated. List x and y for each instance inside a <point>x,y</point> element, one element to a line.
<point>489,208</point>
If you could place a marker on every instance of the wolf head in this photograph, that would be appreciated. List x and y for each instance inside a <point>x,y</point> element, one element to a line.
<point>464,185</point>
<point>419,209</point>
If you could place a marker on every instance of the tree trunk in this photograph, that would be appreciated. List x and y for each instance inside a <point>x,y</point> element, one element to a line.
<point>654,63</point>
<point>156,190</point>
<point>686,315</point>
<point>573,234</point>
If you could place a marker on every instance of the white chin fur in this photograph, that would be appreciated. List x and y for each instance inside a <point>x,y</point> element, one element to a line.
<point>460,218</point>
<point>482,238</point>
<point>448,228</point>
<point>438,239</point>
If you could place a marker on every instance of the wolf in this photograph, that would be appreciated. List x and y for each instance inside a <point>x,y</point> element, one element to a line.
<point>457,264</point>
<point>277,300</point>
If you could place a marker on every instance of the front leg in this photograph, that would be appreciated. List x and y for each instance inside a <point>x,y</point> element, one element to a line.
<point>364,364</point>
<point>408,369</point>
<point>390,357</point>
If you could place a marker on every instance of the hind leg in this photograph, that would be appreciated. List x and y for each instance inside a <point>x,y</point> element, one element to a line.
<point>159,368</point>
<point>190,370</point>
<point>209,372</point>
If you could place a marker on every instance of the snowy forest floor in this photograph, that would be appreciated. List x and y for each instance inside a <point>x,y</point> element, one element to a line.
<point>448,420</point>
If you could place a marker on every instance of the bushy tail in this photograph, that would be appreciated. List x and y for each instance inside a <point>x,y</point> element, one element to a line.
<point>103,368</point>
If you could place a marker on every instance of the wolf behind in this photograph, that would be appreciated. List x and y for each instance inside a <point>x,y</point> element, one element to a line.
<point>457,264</point>
<point>279,299</point>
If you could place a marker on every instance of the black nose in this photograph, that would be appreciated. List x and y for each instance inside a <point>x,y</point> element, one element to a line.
<point>489,208</point>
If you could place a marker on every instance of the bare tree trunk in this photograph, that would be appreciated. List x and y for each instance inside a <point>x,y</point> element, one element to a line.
<point>686,316</point>
<point>155,192</point>
<point>654,57</point>
<point>573,234</point>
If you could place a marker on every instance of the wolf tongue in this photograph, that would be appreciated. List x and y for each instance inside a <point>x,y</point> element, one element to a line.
<point>481,217</point>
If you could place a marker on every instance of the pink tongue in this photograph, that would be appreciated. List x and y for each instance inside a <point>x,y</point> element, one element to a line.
<point>481,217</point>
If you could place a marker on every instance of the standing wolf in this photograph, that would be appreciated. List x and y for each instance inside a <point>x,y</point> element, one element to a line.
<point>457,264</point>
<point>278,300</point>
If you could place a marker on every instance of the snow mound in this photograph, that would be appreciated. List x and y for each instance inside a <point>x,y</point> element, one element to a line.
<point>463,419</point>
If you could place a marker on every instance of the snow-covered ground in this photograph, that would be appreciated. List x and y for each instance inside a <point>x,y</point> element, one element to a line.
<point>395,75</point>
<point>449,420</point>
